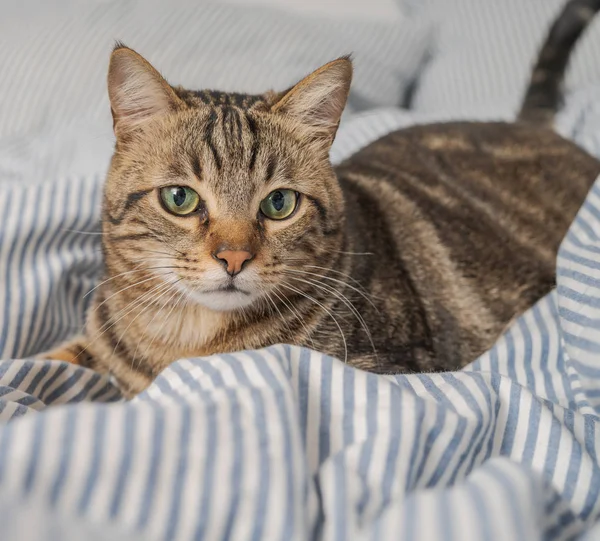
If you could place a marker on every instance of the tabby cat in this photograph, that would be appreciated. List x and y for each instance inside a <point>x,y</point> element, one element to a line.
<point>226,228</point>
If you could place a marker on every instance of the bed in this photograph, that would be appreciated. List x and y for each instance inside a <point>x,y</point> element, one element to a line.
<point>282,443</point>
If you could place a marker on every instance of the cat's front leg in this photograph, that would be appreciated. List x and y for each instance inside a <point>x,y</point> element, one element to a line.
<point>73,351</point>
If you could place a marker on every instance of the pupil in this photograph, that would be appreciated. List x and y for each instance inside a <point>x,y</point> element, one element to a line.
<point>278,200</point>
<point>179,196</point>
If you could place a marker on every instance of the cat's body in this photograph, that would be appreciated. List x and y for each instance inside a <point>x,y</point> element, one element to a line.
<point>468,229</point>
<point>225,227</point>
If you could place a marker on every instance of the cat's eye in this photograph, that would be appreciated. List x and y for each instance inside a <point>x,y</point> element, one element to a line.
<point>279,204</point>
<point>180,200</point>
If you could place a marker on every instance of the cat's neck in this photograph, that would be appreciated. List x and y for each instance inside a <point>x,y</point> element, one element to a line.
<point>188,328</point>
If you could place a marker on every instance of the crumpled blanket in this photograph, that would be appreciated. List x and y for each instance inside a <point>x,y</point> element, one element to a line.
<point>286,443</point>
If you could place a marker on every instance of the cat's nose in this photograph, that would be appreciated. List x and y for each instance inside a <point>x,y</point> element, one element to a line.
<point>233,260</point>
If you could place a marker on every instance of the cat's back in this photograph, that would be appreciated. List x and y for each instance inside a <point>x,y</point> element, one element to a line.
<point>503,157</point>
<point>511,177</point>
<point>470,216</point>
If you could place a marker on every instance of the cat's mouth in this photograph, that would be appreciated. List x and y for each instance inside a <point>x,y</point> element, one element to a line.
<point>229,288</point>
<point>225,296</point>
<point>217,291</point>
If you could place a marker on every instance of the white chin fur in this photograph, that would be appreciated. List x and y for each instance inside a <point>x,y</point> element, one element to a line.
<point>223,300</point>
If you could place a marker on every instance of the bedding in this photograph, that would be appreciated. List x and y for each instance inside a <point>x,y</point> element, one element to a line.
<point>379,10</point>
<point>283,443</point>
<point>482,52</point>
<point>54,56</point>
<point>286,443</point>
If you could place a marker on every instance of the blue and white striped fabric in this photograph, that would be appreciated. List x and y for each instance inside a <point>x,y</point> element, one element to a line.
<point>286,443</point>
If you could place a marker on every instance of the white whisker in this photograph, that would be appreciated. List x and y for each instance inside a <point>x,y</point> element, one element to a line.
<point>125,274</point>
<point>162,294</point>
<point>346,301</point>
<point>300,292</point>
<point>297,314</point>
<point>339,273</point>
<point>145,354</point>
<point>341,282</point>
<point>133,304</point>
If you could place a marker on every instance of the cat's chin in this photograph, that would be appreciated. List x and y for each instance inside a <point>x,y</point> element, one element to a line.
<point>224,301</point>
<point>221,299</point>
<point>218,292</point>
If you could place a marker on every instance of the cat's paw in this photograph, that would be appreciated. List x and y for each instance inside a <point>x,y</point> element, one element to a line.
<point>74,351</point>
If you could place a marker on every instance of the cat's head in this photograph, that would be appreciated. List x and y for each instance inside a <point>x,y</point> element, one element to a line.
<point>221,194</point>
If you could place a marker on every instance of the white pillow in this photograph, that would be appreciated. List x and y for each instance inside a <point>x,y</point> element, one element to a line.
<point>54,60</point>
<point>483,52</point>
<point>371,10</point>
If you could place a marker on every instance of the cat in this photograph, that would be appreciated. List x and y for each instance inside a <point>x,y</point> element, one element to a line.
<point>225,226</point>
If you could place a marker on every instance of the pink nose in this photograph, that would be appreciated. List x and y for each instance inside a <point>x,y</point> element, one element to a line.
<point>233,259</point>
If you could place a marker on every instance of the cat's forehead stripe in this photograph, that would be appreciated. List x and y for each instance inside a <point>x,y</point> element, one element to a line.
<point>271,167</point>
<point>231,132</point>
<point>232,124</point>
<point>254,131</point>
<point>210,128</point>
<point>196,166</point>
<point>215,97</point>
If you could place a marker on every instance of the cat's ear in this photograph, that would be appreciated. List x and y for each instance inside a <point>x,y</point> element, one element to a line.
<point>137,92</point>
<point>318,100</point>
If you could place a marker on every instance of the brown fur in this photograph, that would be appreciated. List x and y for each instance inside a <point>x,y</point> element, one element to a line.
<point>414,254</point>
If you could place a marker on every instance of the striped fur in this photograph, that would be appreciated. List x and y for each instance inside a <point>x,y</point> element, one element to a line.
<point>395,262</point>
<point>544,92</point>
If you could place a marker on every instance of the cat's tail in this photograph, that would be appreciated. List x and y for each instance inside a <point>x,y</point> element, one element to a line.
<point>544,93</point>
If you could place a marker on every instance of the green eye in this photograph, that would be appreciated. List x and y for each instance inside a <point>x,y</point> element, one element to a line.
<point>279,204</point>
<point>180,200</point>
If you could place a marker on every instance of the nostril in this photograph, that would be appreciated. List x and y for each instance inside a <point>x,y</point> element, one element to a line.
<point>233,260</point>
<point>220,259</point>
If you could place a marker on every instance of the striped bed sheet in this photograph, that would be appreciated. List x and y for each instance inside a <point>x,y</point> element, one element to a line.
<point>286,443</point>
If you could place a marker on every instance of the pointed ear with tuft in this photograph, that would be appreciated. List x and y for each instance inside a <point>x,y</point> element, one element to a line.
<point>318,100</point>
<point>137,92</point>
